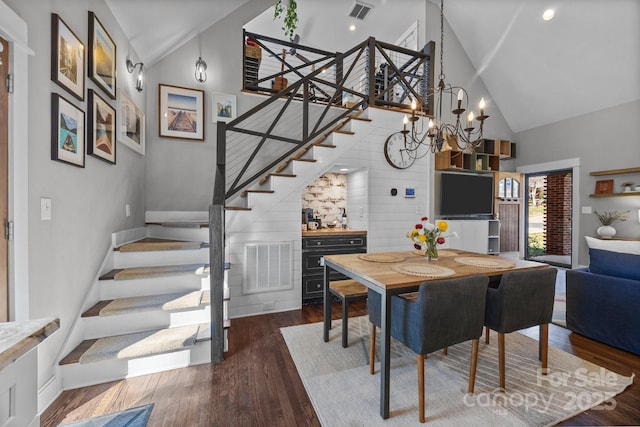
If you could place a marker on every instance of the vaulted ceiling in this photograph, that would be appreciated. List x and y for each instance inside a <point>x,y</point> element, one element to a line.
<point>538,72</point>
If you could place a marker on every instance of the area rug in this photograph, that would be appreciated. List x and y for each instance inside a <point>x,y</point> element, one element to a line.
<point>343,392</point>
<point>133,417</point>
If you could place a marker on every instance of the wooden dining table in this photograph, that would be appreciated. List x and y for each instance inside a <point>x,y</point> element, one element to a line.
<point>393,273</point>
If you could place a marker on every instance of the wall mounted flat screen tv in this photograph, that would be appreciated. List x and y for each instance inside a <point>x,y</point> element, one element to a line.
<point>466,195</point>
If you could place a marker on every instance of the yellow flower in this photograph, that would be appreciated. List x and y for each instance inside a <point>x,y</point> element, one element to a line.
<point>443,226</point>
<point>422,238</point>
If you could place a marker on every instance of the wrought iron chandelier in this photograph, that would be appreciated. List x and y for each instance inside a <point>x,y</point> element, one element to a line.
<point>443,131</point>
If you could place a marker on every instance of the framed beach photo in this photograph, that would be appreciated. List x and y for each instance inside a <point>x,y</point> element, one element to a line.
<point>224,107</point>
<point>181,112</point>
<point>131,121</point>
<point>101,128</point>
<point>102,57</point>
<point>67,58</point>
<point>67,132</point>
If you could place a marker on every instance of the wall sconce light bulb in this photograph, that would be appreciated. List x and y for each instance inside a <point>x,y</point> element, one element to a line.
<point>140,78</point>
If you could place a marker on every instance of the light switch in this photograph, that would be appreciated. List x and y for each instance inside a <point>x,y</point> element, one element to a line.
<point>45,209</point>
<point>127,209</point>
<point>587,210</point>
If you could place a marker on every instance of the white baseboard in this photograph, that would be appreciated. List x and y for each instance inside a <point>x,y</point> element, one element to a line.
<point>176,216</point>
<point>120,238</point>
<point>47,394</point>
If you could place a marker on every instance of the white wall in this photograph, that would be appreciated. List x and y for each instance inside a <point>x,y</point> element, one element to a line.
<point>87,204</point>
<point>603,140</point>
<point>179,171</point>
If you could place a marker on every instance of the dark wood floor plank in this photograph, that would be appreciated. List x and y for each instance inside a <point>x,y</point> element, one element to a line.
<point>257,384</point>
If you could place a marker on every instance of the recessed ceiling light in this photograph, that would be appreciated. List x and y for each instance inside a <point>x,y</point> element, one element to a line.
<point>548,14</point>
<point>344,170</point>
<point>352,27</point>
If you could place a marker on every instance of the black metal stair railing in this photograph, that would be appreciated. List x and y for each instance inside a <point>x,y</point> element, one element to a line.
<point>328,87</point>
<point>311,92</point>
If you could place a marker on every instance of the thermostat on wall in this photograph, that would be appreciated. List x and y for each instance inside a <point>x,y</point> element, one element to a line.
<point>409,192</point>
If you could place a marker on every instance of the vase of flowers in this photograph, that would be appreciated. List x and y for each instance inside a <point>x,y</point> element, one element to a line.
<point>426,236</point>
<point>606,231</point>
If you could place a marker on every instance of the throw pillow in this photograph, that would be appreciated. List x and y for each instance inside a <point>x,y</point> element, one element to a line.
<point>614,264</point>
<point>624,246</point>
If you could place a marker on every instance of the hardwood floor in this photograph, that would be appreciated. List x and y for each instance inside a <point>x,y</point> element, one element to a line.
<point>258,385</point>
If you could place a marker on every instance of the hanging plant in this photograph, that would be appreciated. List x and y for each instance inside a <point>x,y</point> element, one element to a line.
<point>288,10</point>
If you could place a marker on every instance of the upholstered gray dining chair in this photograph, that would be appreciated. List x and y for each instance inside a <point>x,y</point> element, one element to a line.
<point>442,313</point>
<point>521,300</point>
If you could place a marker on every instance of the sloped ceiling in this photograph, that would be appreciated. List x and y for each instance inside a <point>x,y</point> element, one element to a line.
<point>586,59</point>
<point>156,28</point>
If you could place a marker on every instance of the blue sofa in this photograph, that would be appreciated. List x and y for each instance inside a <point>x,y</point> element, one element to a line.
<point>603,300</point>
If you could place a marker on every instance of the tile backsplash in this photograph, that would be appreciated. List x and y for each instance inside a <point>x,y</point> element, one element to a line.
<point>327,196</point>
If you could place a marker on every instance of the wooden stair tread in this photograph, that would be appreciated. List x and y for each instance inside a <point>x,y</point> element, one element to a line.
<point>74,355</point>
<point>236,208</point>
<point>129,346</point>
<point>345,132</point>
<point>348,288</point>
<point>155,244</point>
<point>204,330</point>
<point>159,271</point>
<point>285,175</point>
<point>306,160</point>
<point>360,119</point>
<point>244,193</point>
<point>206,296</point>
<point>176,301</point>
<point>325,145</point>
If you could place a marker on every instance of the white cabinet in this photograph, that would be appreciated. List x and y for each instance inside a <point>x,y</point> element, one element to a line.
<point>482,236</point>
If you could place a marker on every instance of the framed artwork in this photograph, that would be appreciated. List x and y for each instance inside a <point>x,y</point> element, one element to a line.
<point>224,107</point>
<point>131,121</point>
<point>516,189</point>
<point>604,186</point>
<point>181,112</point>
<point>101,128</point>
<point>501,189</point>
<point>102,57</point>
<point>67,58</point>
<point>67,132</point>
<point>507,188</point>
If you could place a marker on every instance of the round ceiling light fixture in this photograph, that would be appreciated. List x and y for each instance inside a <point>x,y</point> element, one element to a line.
<point>548,14</point>
<point>352,27</point>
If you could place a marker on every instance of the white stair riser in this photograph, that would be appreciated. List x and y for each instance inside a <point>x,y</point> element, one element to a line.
<point>160,258</point>
<point>78,375</point>
<point>103,326</point>
<point>112,289</point>
<point>178,233</point>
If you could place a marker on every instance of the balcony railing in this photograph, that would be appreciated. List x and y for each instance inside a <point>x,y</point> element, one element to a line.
<point>330,86</point>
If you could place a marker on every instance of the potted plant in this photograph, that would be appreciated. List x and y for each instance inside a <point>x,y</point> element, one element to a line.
<point>288,10</point>
<point>608,218</point>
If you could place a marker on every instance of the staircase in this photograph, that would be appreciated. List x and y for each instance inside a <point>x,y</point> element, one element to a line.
<point>305,165</point>
<point>153,308</point>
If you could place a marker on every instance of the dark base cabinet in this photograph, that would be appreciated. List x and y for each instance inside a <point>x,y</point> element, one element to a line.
<point>316,247</point>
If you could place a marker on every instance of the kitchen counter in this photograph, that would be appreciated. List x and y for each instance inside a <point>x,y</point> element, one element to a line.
<point>17,338</point>
<point>336,231</point>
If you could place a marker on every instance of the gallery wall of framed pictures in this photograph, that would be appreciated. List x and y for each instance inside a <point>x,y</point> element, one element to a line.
<point>93,124</point>
<point>110,115</point>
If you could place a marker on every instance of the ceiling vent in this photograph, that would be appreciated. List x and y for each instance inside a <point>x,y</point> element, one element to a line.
<point>360,10</point>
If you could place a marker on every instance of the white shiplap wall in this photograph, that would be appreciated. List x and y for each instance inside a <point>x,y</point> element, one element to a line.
<point>386,218</point>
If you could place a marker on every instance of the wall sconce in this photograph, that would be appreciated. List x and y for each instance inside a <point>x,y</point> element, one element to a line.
<point>140,79</point>
<point>201,70</point>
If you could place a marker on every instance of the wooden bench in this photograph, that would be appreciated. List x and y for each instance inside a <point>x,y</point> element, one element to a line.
<point>345,291</point>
